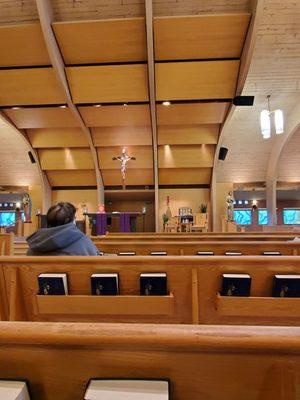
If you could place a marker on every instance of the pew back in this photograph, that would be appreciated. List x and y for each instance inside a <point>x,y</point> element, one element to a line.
<point>6,244</point>
<point>205,362</point>
<point>193,283</point>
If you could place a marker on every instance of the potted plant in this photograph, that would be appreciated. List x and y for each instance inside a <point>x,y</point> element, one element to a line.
<point>203,208</point>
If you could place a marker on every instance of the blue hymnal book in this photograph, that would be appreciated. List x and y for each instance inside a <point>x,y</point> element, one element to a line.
<point>53,284</point>
<point>105,284</point>
<point>233,253</point>
<point>153,284</point>
<point>205,253</point>
<point>158,253</point>
<point>236,285</point>
<point>286,286</point>
<point>127,253</point>
<point>271,253</point>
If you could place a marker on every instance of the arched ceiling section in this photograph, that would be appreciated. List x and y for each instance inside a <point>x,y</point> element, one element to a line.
<point>16,168</point>
<point>275,70</point>
<point>197,50</point>
<point>289,161</point>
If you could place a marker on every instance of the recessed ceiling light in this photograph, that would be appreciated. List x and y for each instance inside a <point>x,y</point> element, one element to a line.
<point>64,106</point>
<point>166,103</point>
<point>97,105</point>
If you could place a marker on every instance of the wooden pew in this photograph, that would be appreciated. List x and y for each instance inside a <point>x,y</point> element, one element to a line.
<point>183,247</point>
<point>193,284</point>
<point>204,362</point>
<point>6,244</point>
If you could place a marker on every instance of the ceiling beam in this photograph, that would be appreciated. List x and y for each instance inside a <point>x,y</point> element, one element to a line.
<point>45,12</point>
<point>246,57</point>
<point>46,189</point>
<point>152,97</point>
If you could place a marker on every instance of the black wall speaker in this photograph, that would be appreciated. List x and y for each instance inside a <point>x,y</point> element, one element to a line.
<point>243,100</point>
<point>223,153</point>
<point>31,157</point>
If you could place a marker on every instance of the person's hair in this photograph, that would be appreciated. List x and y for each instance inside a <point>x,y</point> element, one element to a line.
<point>60,214</point>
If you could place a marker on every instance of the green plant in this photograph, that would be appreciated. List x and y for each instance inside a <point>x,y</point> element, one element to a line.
<point>203,208</point>
<point>165,218</point>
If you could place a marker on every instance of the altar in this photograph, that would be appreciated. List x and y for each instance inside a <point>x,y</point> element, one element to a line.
<point>127,221</point>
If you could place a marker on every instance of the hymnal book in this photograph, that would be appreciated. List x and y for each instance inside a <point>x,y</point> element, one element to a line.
<point>271,253</point>
<point>127,389</point>
<point>205,253</point>
<point>105,284</point>
<point>233,253</point>
<point>153,284</point>
<point>53,284</point>
<point>13,390</point>
<point>158,253</point>
<point>286,286</point>
<point>236,285</point>
<point>127,253</point>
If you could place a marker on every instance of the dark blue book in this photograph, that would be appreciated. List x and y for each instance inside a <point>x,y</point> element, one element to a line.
<point>286,286</point>
<point>233,253</point>
<point>153,284</point>
<point>53,284</point>
<point>158,253</point>
<point>127,253</point>
<point>105,284</point>
<point>271,253</point>
<point>205,253</point>
<point>236,285</point>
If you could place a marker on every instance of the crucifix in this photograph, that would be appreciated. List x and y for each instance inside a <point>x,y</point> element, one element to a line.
<point>123,158</point>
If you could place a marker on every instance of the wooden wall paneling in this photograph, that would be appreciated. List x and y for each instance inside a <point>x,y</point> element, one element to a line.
<point>191,113</point>
<point>93,42</point>
<point>203,36</point>
<point>188,134</point>
<point>197,156</point>
<point>131,115</point>
<point>143,155</point>
<point>67,158</point>
<point>57,137</point>
<point>72,178</point>
<point>51,117</point>
<point>122,136</point>
<point>196,80</point>
<point>140,176</point>
<point>30,86</point>
<point>15,49</point>
<point>108,83</point>
<point>184,176</point>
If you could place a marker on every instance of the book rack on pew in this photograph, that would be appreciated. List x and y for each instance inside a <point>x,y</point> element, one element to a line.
<point>193,287</point>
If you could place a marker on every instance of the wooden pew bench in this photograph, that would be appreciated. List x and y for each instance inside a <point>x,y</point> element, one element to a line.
<point>6,244</point>
<point>201,362</point>
<point>193,286</point>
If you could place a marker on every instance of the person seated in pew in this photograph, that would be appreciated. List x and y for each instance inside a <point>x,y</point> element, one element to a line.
<point>61,237</point>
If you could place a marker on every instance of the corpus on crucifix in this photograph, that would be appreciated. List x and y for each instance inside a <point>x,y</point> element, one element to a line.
<point>123,158</point>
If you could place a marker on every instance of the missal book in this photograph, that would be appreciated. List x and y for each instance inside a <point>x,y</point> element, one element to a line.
<point>105,284</point>
<point>233,253</point>
<point>236,285</point>
<point>53,284</point>
<point>158,253</point>
<point>205,253</point>
<point>127,253</point>
<point>153,284</point>
<point>286,286</point>
<point>13,390</point>
<point>127,389</point>
<point>271,253</point>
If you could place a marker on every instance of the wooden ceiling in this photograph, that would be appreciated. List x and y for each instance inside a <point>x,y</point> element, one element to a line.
<point>197,59</point>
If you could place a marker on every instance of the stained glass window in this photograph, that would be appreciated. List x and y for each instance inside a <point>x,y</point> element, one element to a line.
<point>262,217</point>
<point>242,217</point>
<point>291,216</point>
<point>7,218</point>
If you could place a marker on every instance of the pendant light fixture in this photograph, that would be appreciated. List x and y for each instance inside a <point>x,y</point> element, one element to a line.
<point>265,121</point>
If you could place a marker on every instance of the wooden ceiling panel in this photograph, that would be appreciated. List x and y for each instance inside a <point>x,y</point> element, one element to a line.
<point>61,159</point>
<point>94,42</point>
<point>196,80</point>
<point>29,86</point>
<point>48,117</point>
<point>143,155</point>
<point>112,177</point>
<point>72,178</point>
<point>131,115</point>
<point>57,137</point>
<point>193,113</point>
<point>184,176</point>
<point>186,156</point>
<point>188,134</point>
<point>122,136</point>
<point>22,45</point>
<point>108,83</point>
<point>200,36</point>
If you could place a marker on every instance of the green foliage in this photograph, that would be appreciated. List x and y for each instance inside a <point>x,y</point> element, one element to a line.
<point>203,208</point>
<point>165,218</point>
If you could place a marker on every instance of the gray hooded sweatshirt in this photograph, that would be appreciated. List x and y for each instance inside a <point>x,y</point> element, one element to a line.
<point>64,240</point>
